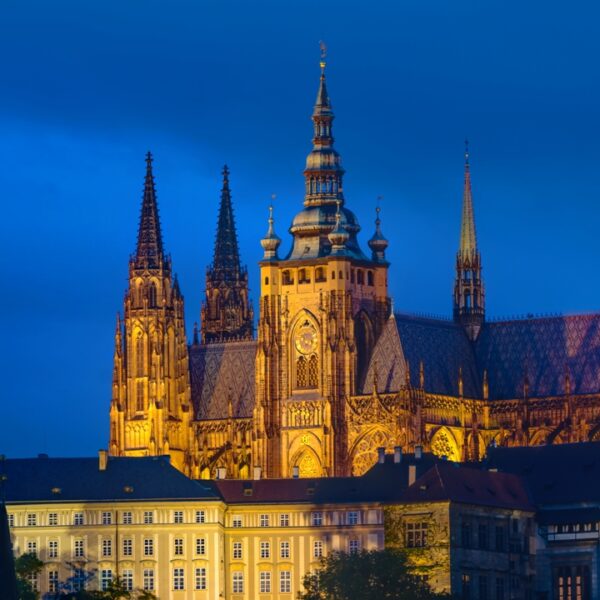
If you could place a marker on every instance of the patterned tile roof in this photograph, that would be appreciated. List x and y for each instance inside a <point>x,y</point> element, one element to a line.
<point>544,348</point>
<point>220,371</point>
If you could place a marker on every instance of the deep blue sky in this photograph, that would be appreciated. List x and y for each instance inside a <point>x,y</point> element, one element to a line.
<point>86,88</point>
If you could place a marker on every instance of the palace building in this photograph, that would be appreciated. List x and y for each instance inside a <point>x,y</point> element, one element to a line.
<point>333,372</point>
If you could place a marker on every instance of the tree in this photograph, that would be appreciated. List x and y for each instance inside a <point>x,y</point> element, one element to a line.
<point>27,567</point>
<point>368,575</point>
<point>116,590</point>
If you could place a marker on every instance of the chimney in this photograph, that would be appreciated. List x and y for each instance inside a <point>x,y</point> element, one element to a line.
<point>380,455</point>
<point>257,473</point>
<point>397,454</point>
<point>221,473</point>
<point>296,472</point>
<point>102,460</point>
<point>418,452</point>
<point>412,474</point>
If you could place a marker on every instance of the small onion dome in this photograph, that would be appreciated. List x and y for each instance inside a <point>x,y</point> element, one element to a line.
<point>271,241</point>
<point>378,243</point>
<point>339,235</point>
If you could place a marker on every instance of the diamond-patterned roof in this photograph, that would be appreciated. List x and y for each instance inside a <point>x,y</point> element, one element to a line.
<point>220,371</point>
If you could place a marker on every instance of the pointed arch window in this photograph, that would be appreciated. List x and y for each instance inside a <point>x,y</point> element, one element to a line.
<point>152,295</point>
<point>139,401</point>
<point>301,372</point>
<point>313,371</point>
<point>139,355</point>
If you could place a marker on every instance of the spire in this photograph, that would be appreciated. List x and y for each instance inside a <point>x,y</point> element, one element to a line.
<point>226,260</point>
<point>271,241</point>
<point>378,243</point>
<point>149,251</point>
<point>338,236</point>
<point>468,238</point>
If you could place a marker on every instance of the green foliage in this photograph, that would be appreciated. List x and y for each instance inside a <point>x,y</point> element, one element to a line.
<point>116,591</point>
<point>373,575</point>
<point>27,566</point>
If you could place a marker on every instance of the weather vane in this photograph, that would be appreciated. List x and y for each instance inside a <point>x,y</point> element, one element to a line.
<point>323,48</point>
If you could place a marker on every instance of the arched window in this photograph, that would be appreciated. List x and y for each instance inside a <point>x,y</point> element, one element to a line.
<point>352,276</point>
<point>313,371</point>
<point>319,274</point>
<point>303,277</point>
<point>360,277</point>
<point>152,295</point>
<point>287,278</point>
<point>370,277</point>
<point>467,299</point>
<point>341,275</point>
<point>301,372</point>
<point>139,356</point>
<point>139,401</point>
<point>266,281</point>
<point>332,274</point>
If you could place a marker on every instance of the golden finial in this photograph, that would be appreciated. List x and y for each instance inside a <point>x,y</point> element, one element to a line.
<point>323,48</point>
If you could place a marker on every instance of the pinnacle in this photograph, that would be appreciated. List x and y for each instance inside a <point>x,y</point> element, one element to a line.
<point>468,238</point>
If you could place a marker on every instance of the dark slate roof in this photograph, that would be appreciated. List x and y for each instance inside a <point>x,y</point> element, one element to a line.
<point>442,346</point>
<point>80,479</point>
<point>543,348</point>
<point>467,485</point>
<point>220,371</point>
<point>559,475</point>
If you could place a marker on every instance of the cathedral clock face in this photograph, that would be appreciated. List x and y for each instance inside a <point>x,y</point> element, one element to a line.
<point>306,339</point>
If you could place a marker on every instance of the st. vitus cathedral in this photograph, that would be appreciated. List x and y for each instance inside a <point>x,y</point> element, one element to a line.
<point>333,373</point>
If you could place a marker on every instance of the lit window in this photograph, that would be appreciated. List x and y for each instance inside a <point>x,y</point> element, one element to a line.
<point>53,581</point>
<point>265,582</point>
<point>178,547</point>
<point>149,580</point>
<point>178,517</point>
<point>353,518</point>
<point>265,550</point>
<point>127,547</point>
<point>200,516</point>
<point>317,548</point>
<point>238,582</point>
<point>78,579</point>
<point>78,549</point>
<point>285,582</point>
<point>106,547</point>
<point>33,580</point>
<point>127,518</point>
<point>31,519</point>
<point>200,577</point>
<point>105,579</point>
<point>11,520</point>
<point>284,520</point>
<point>237,550</point>
<point>284,550</point>
<point>353,546</point>
<point>106,518</point>
<point>53,549</point>
<point>148,547</point>
<point>313,371</point>
<point>200,546</point>
<point>78,518</point>
<point>52,518</point>
<point>178,579</point>
<point>264,520</point>
<point>237,521</point>
<point>416,535</point>
<point>127,579</point>
<point>148,517</point>
<point>32,547</point>
<point>316,519</point>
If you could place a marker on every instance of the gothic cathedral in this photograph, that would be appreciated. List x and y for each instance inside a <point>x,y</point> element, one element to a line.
<point>333,372</point>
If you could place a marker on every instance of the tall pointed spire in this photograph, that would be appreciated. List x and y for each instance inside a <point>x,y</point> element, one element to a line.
<point>468,238</point>
<point>149,251</point>
<point>226,260</point>
<point>469,292</point>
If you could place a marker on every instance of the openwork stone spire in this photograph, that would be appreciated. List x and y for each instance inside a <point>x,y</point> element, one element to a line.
<point>469,292</point>
<point>149,252</point>
<point>226,313</point>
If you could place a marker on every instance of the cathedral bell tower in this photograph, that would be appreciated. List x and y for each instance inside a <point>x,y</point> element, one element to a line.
<point>321,310</point>
<point>226,313</point>
<point>469,292</point>
<point>150,408</point>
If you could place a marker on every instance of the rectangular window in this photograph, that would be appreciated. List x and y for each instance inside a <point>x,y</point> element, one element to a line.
<point>52,519</point>
<point>499,588</point>
<point>317,548</point>
<point>11,520</point>
<point>127,547</point>
<point>316,519</point>
<point>107,518</point>
<point>31,519</point>
<point>264,520</point>
<point>200,546</point>
<point>149,580</point>
<point>237,521</point>
<point>78,518</point>
<point>416,535</point>
<point>499,538</point>
<point>78,579</point>
<point>78,549</point>
<point>178,547</point>
<point>178,579</point>
<point>200,578</point>
<point>237,550</point>
<point>353,518</point>
<point>148,547</point>
<point>178,517</point>
<point>353,546</point>
<point>200,516</point>
<point>105,579</point>
<point>127,579</point>
<point>483,587</point>
<point>32,547</point>
<point>465,534</point>
<point>482,535</point>
<point>284,550</point>
<point>284,520</point>
<point>265,550</point>
<point>466,586</point>
<point>238,582</point>
<point>53,581</point>
<point>127,518</point>
<point>148,517</point>
<point>285,582</point>
<point>106,547</point>
<point>33,580</point>
<point>265,582</point>
<point>53,549</point>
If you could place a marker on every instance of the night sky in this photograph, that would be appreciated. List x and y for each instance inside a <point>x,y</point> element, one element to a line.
<point>86,88</point>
